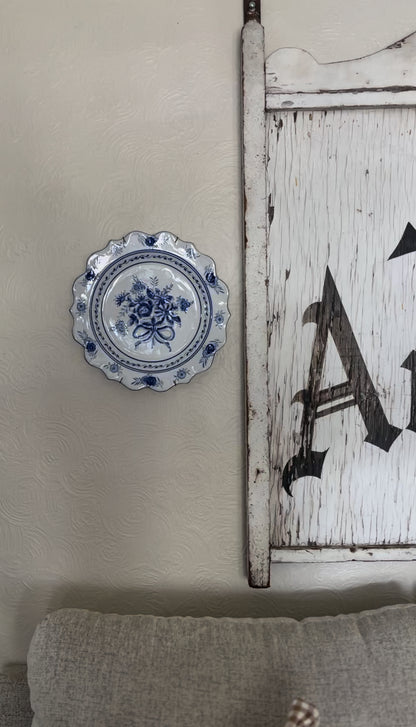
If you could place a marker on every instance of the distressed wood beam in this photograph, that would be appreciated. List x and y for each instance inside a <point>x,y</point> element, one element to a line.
<point>254,174</point>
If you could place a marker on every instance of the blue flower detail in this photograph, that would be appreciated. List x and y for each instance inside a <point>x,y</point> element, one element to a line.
<point>120,298</point>
<point>138,286</point>
<point>81,306</point>
<point>181,374</point>
<point>212,280</point>
<point>144,308</point>
<point>114,368</point>
<point>150,241</point>
<point>219,318</point>
<point>148,380</point>
<point>151,312</point>
<point>184,304</point>
<point>91,347</point>
<point>208,352</point>
<point>90,275</point>
<point>120,327</point>
<point>191,252</point>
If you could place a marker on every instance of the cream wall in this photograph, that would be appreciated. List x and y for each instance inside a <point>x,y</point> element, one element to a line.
<point>119,115</point>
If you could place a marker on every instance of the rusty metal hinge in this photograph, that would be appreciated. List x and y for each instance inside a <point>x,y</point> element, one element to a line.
<point>252,10</point>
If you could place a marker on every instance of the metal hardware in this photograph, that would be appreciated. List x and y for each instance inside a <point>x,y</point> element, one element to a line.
<point>252,10</point>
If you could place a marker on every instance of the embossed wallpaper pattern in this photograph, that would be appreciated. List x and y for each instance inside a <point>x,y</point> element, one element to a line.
<point>122,115</point>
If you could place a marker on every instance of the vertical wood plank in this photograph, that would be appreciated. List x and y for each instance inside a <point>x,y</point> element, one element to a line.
<point>254,180</point>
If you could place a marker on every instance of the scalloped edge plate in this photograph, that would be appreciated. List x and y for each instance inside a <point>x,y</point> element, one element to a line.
<point>150,311</point>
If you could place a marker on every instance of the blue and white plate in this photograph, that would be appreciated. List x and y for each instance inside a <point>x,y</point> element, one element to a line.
<point>150,311</point>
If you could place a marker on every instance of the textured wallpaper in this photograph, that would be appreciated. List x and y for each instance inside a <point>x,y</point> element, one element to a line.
<point>120,115</point>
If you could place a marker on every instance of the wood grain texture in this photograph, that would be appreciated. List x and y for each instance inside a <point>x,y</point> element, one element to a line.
<point>341,189</point>
<point>342,555</point>
<point>254,172</point>
<point>294,79</point>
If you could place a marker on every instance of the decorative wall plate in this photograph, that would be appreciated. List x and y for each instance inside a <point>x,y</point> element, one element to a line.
<point>150,311</point>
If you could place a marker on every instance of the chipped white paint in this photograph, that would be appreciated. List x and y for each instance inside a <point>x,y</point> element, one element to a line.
<point>340,187</point>
<point>341,555</point>
<point>364,99</point>
<point>295,80</point>
<point>256,302</point>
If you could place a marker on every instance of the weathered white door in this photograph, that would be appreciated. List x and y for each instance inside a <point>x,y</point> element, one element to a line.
<point>332,375</point>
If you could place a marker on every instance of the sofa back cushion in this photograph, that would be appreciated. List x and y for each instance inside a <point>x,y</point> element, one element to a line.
<point>105,670</point>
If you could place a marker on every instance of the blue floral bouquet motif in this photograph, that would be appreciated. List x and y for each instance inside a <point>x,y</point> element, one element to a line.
<point>151,312</point>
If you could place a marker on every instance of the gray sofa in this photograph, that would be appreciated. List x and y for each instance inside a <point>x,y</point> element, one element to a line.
<point>91,669</point>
